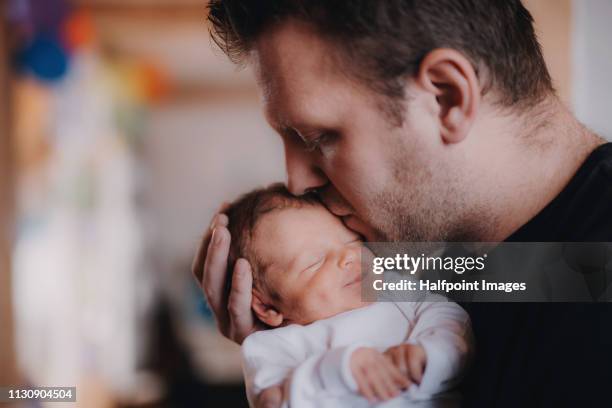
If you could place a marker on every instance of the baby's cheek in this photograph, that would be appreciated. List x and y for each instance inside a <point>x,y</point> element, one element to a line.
<point>304,305</point>
<point>323,302</point>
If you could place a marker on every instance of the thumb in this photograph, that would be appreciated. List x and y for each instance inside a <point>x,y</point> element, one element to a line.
<point>239,302</point>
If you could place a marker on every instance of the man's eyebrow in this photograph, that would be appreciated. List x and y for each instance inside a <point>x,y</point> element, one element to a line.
<point>298,133</point>
<point>288,128</point>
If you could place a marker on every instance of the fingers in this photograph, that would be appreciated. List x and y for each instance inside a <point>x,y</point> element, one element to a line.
<point>224,206</point>
<point>242,322</point>
<point>365,388</point>
<point>409,359</point>
<point>220,219</point>
<point>394,379</point>
<point>270,397</point>
<point>396,356</point>
<point>416,364</point>
<point>401,380</point>
<point>384,386</point>
<point>380,380</point>
<point>232,313</point>
<point>215,269</point>
<point>197,267</point>
<point>378,386</point>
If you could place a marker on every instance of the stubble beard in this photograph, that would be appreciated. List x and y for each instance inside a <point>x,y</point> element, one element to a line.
<point>418,207</point>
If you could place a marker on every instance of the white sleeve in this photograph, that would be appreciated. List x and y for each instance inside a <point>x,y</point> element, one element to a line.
<point>443,329</point>
<point>270,359</point>
<point>327,374</point>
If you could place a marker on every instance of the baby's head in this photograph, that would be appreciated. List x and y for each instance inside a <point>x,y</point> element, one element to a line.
<point>305,262</point>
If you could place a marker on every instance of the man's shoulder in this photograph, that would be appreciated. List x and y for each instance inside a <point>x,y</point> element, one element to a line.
<point>582,212</point>
<point>589,209</point>
<point>598,166</point>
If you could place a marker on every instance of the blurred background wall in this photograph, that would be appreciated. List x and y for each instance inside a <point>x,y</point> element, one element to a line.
<point>592,64</point>
<point>127,131</point>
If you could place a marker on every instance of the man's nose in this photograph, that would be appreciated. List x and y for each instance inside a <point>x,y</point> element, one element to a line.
<point>302,173</point>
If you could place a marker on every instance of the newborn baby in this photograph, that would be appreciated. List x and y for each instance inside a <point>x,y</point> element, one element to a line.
<point>327,347</point>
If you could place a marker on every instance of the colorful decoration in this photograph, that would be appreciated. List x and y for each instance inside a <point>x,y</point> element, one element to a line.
<point>45,58</point>
<point>78,30</point>
<point>154,82</point>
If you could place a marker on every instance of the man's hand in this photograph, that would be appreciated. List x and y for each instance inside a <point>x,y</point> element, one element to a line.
<point>233,315</point>
<point>377,378</point>
<point>409,359</point>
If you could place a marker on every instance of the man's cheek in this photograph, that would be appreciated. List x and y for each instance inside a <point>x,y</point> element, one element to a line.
<point>344,178</point>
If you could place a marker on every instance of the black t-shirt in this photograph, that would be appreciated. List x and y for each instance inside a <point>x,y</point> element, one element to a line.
<point>550,354</point>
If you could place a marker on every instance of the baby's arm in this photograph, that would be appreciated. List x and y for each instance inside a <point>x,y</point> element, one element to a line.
<point>376,377</point>
<point>287,357</point>
<point>343,371</point>
<point>443,331</point>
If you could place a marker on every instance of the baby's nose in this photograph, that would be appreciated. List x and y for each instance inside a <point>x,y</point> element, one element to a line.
<point>348,258</point>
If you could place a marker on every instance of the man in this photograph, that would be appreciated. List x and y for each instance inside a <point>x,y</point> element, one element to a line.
<point>432,121</point>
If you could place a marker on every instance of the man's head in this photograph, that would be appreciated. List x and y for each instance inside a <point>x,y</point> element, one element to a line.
<point>388,108</point>
<point>305,262</point>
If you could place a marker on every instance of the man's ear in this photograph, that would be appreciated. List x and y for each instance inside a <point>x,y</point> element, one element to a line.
<point>266,312</point>
<point>452,79</point>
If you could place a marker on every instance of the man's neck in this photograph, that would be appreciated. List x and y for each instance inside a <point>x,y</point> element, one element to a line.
<point>543,153</point>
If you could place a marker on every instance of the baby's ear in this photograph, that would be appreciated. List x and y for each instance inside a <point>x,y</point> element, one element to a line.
<point>265,312</point>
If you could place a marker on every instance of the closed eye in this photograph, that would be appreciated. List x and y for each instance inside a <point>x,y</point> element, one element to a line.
<point>315,265</point>
<point>313,143</point>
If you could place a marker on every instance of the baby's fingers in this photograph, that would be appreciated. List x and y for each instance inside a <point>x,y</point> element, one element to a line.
<point>383,388</point>
<point>364,387</point>
<point>416,365</point>
<point>392,379</point>
<point>397,358</point>
<point>400,379</point>
<point>395,380</point>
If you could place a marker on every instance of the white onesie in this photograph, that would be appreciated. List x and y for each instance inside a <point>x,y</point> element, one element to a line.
<point>316,357</point>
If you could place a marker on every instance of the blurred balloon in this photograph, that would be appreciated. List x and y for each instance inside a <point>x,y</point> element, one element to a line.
<point>45,58</point>
<point>79,30</point>
<point>141,81</point>
<point>154,82</point>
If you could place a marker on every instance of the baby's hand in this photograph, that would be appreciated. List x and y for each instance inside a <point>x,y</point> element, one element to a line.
<point>409,359</point>
<point>377,378</point>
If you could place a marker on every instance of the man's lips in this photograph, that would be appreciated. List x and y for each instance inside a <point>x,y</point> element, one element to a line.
<point>348,218</point>
<point>340,208</point>
<point>339,211</point>
<point>334,202</point>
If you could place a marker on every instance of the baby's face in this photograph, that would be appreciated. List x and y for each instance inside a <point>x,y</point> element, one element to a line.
<point>311,260</point>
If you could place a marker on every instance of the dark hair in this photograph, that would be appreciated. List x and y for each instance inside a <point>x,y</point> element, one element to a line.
<point>244,214</point>
<point>384,41</point>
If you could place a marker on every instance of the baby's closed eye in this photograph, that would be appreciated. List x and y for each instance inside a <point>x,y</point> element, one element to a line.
<point>316,264</point>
